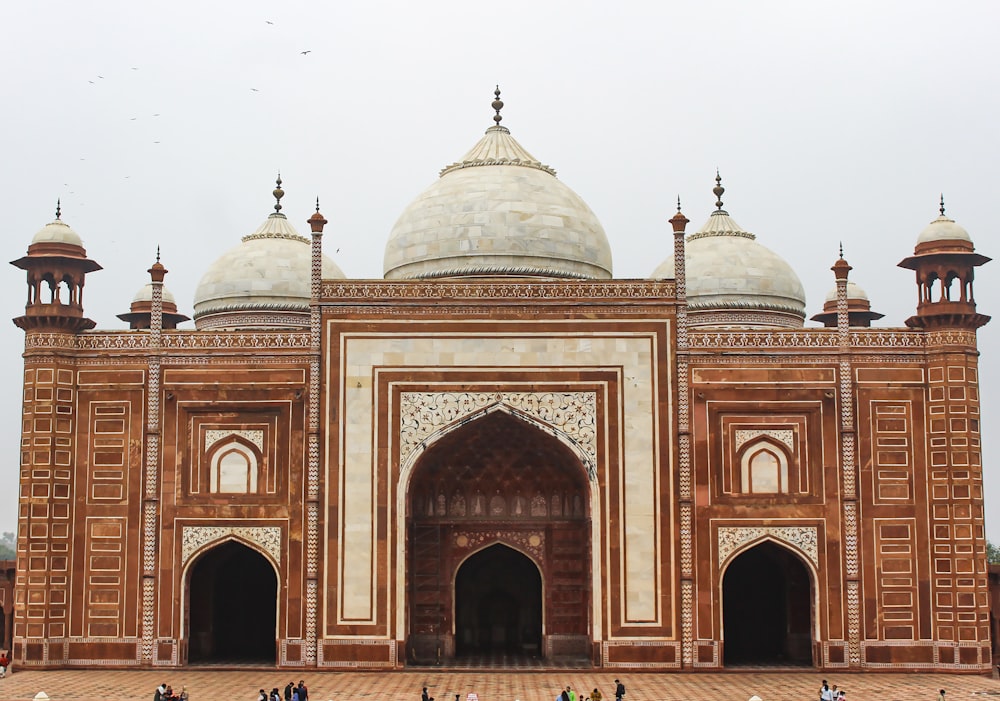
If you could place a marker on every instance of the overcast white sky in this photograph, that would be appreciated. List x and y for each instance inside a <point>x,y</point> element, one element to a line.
<point>164,123</point>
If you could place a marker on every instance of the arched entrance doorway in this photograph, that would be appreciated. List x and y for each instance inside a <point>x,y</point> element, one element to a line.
<point>233,593</point>
<point>498,481</point>
<point>498,604</point>
<point>766,607</point>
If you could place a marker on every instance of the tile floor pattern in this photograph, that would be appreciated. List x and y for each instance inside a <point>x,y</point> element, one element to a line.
<point>494,685</point>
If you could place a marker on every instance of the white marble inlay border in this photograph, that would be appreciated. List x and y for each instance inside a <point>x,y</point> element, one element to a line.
<point>803,538</point>
<point>786,436</point>
<point>256,437</point>
<point>572,414</point>
<point>193,538</point>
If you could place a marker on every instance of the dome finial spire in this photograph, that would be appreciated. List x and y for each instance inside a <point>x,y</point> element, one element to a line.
<point>278,194</point>
<point>497,105</point>
<point>678,203</point>
<point>718,190</point>
<point>317,203</point>
<point>59,208</point>
<point>841,249</point>
<point>942,204</point>
<point>157,253</point>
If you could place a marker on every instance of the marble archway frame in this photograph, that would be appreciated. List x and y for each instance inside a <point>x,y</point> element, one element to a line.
<point>195,538</point>
<point>570,417</point>
<point>802,539</point>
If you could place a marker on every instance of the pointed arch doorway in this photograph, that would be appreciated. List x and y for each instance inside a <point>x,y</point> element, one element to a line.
<point>498,503</point>
<point>767,609</point>
<point>232,610</point>
<point>498,603</point>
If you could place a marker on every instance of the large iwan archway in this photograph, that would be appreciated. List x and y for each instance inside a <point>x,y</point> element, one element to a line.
<point>767,609</point>
<point>232,611</point>
<point>501,504</point>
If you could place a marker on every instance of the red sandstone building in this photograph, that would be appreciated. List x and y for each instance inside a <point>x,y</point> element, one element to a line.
<point>499,447</point>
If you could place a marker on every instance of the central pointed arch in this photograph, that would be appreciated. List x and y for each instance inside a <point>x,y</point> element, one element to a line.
<point>497,483</point>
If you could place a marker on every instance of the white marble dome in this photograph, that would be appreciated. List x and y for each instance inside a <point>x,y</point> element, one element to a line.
<point>264,281</point>
<point>57,231</point>
<point>943,229</point>
<point>497,211</point>
<point>854,291</point>
<point>733,281</point>
<point>145,294</point>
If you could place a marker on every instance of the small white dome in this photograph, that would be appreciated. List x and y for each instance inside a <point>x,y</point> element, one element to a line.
<point>854,291</point>
<point>943,229</point>
<point>57,232</point>
<point>498,211</point>
<point>268,272</point>
<point>730,277</point>
<point>145,294</point>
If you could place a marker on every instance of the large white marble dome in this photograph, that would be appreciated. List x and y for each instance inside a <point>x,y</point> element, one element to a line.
<point>261,283</point>
<point>497,211</point>
<point>734,281</point>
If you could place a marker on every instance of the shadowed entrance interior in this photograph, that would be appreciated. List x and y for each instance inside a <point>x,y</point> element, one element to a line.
<point>233,595</point>
<point>766,609</point>
<point>498,603</point>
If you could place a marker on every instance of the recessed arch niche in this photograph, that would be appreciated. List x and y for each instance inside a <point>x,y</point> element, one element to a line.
<point>499,478</point>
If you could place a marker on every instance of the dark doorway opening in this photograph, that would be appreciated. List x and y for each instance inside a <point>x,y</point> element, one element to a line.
<point>233,607</point>
<point>498,604</point>
<point>767,615</point>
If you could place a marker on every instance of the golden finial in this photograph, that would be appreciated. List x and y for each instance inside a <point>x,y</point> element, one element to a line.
<point>278,194</point>
<point>718,190</point>
<point>497,105</point>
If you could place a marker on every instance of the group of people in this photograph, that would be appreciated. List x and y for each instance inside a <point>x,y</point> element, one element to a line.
<point>568,694</point>
<point>165,692</point>
<point>828,693</point>
<point>293,692</point>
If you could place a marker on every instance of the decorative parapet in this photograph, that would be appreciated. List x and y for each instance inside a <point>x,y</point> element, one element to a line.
<point>138,341</point>
<point>340,291</point>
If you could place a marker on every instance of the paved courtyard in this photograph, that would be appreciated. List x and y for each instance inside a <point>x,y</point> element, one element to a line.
<point>495,685</point>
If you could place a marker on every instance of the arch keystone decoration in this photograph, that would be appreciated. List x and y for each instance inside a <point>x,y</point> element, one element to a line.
<point>194,538</point>
<point>803,539</point>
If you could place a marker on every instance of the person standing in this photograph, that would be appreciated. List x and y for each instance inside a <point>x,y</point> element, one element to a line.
<point>941,695</point>
<point>596,695</point>
<point>303,691</point>
<point>572,694</point>
<point>424,696</point>
<point>824,692</point>
<point>619,690</point>
<point>288,691</point>
<point>4,664</point>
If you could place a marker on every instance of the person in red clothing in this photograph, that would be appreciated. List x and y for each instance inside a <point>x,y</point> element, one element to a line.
<point>4,664</point>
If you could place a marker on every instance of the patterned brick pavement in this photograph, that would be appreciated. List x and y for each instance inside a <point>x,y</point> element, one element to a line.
<point>494,685</point>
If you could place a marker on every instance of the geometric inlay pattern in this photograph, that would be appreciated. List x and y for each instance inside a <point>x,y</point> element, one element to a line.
<point>572,415</point>
<point>802,537</point>
<point>267,537</point>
